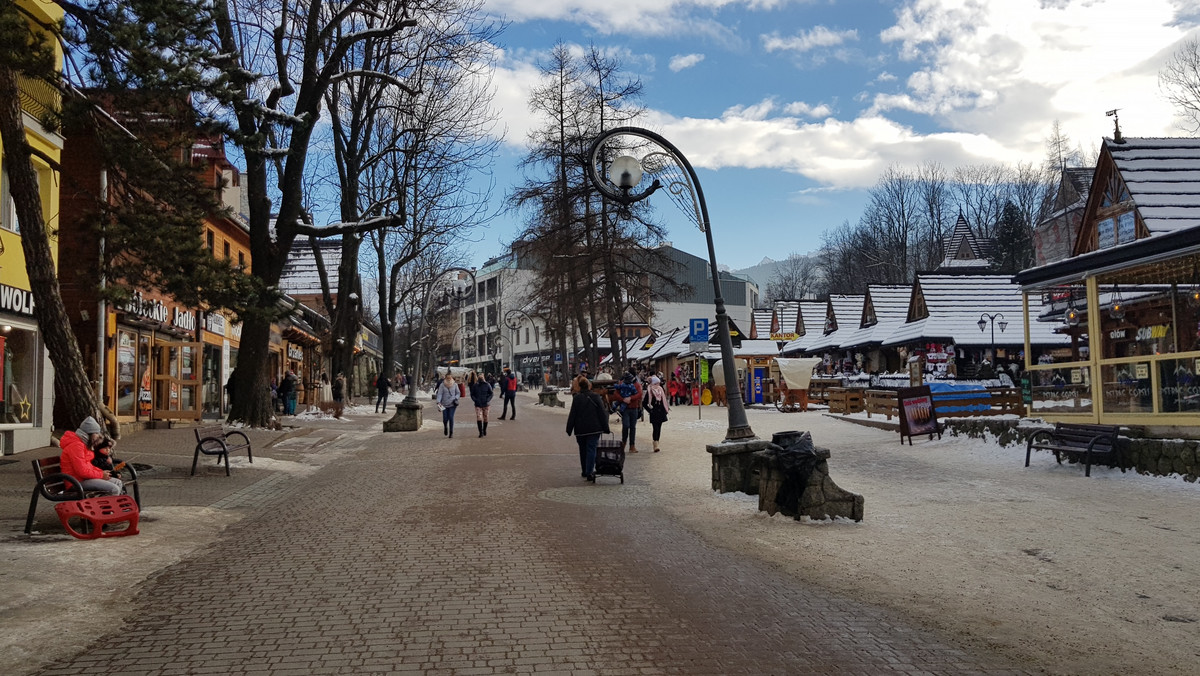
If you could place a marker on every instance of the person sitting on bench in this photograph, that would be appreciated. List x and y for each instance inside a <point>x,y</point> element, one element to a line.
<point>78,450</point>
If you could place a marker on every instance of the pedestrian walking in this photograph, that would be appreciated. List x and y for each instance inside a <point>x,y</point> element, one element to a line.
<point>326,388</point>
<point>587,420</point>
<point>447,400</point>
<point>338,389</point>
<point>508,390</point>
<point>382,387</point>
<point>657,403</point>
<point>481,396</point>
<point>630,406</point>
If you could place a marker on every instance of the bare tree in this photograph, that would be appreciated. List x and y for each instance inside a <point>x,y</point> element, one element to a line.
<point>1180,81</point>
<point>280,59</point>
<point>794,279</point>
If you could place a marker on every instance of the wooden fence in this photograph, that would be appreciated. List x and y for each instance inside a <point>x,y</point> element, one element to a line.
<point>960,404</point>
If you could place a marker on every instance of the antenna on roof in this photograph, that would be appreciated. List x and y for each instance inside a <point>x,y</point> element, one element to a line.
<point>1116,125</point>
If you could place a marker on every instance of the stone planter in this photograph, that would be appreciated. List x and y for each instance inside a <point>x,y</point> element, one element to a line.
<point>734,467</point>
<point>782,465</point>
<point>408,418</point>
<point>550,398</point>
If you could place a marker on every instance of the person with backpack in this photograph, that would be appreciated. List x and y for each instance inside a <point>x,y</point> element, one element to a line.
<point>508,390</point>
<point>587,420</point>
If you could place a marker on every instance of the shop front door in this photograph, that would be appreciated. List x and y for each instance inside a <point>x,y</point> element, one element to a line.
<point>177,380</point>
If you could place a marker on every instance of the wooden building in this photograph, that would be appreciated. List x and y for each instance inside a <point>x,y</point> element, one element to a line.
<point>1128,298</point>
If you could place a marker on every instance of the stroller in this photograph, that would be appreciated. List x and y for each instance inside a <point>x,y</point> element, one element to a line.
<point>610,457</point>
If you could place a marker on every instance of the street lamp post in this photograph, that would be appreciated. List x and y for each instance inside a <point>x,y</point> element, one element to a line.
<point>615,172</point>
<point>513,322</point>
<point>408,412</point>
<point>985,320</point>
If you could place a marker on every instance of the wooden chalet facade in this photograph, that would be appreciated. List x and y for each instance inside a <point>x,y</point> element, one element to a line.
<point>1129,297</point>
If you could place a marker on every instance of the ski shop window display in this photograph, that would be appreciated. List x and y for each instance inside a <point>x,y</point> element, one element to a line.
<point>21,365</point>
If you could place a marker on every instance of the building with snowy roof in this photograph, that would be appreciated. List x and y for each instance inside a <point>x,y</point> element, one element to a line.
<point>943,325</point>
<point>1128,298</point>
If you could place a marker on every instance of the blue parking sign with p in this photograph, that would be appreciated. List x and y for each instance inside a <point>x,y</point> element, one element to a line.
<point>699,330</point>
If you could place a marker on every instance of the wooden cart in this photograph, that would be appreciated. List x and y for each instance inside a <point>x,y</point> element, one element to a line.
<point>794,377</point>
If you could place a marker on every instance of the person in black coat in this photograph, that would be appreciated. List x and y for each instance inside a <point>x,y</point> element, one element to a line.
<point>587,420</point>
<point>481,396</point>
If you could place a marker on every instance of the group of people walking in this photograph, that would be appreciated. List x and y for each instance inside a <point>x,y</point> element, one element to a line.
<point>635,397</point>
<point>481,392</point>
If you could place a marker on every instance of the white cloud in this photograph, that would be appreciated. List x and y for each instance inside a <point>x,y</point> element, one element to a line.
<point>990,78</point>
<point>807,110</point>
<point>1012,68</point>
<point>682,61</point>
<point>804,41</point>
<point>647,17</point>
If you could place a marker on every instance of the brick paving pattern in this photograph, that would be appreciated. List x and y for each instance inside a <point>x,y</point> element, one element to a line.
<point>411,553</point>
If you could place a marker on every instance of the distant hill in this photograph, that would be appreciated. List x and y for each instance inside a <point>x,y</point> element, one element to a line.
<point>763,272</point>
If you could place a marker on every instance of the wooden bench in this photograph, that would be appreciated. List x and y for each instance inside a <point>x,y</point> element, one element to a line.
<point>54,486</point>
<point>214,440</point>
<point>1073,439</point>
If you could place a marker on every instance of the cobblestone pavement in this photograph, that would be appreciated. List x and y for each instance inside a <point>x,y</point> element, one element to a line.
<point>411,552</point>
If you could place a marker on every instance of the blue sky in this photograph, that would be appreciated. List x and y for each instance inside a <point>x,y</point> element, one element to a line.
<point>790,109</point>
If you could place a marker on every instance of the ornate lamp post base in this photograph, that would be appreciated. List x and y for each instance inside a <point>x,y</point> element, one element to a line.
<point>408,417</point>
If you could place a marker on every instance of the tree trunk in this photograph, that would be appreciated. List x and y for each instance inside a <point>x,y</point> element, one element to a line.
<point>251,376</point>
<point>72,386</point>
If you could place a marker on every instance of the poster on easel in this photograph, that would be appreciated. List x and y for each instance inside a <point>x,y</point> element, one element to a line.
<point>917,414</point>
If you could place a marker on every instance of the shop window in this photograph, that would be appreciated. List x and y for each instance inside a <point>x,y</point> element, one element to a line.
<point>1127,388</point>
<point>127,373</point>
<point>1179,385</point>
<point>1066,390</point>
<point>19,401</point>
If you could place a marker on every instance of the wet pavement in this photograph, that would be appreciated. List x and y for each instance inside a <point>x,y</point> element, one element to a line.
<point>363,552</point>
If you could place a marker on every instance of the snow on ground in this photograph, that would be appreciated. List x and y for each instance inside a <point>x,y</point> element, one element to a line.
<point>960,535</point>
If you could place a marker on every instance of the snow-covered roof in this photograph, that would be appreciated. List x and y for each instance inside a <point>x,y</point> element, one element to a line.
<point>748,348</point>
<point>955,304</point>
<point>962,248</point>
<point>669,344</point>
<point>1163,178</point>
<point>884,310</point>
<point>760,322</point>
<point>300,274</point>
<point>811,321</point>
<point>786,319</point>
<point>846,314</point>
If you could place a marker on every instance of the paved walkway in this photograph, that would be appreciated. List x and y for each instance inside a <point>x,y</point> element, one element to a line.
<point>414,553</point>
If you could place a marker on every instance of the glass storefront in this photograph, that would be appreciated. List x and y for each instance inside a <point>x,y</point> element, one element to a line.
<point>211,380</point>
<point>22,364</point>
<point>1147,346</point>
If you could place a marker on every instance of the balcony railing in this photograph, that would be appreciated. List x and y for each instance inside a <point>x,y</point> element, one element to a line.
<point>38,97</point>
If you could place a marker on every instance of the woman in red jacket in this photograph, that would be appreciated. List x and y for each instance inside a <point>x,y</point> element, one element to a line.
<point>76,460</point>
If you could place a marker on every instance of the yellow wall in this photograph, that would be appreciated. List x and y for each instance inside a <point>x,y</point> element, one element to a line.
<point>12,260</point>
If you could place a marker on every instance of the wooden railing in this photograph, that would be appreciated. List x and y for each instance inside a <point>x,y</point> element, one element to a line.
<point>997,400</point>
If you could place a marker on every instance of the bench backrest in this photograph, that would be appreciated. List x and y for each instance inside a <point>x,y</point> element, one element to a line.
<point>45,467</point>
<point>210,432</point>
<point>1077,434</point>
